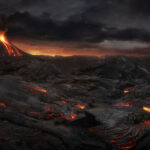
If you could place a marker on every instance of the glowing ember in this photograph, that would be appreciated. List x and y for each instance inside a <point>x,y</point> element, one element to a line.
<point>2,104</point>
<point>146,108</point>
<point>2,38</point>
<point>147,122</point>
<point>5,121</point>
<point>128,90</point>
<point>71,117</point>
<point>73,104</point>
<point>12,51</point>
<point>39,89</point>
<point>80,106</point>
<point>125,105</point>
<point>128,147</point>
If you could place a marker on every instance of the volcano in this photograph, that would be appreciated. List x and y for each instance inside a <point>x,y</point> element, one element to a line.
<point>7,48</point>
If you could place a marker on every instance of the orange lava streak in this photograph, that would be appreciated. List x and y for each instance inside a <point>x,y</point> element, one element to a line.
<point>125,105</point>
<point>11,51</point>
<point>146,108</point>
<point>71,117</point>
<point>128,147</point>
<point>80,106</point>
<point>38,89</point>
<point>76,105</point>
<point>128,90</point>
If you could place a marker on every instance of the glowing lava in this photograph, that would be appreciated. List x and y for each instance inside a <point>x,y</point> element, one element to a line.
<point>71,116</point>
<point>146,108</point>
<point>39,89</point>
<point>10,49</point>
<point>147,122</point>
<point>128,90</point>
<point>80,106</point>
<point>2,104</point>
<point>128,147</point>
<point>125,105</point>
<point>2,38</point>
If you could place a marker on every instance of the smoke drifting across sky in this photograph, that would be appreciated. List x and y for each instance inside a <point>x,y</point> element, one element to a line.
<point>103,25</point>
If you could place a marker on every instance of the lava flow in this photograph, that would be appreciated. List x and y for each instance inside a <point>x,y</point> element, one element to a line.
<point>146,108</point>
<point>10,49</point>
<point>128,90</point>
<point>39,89</point>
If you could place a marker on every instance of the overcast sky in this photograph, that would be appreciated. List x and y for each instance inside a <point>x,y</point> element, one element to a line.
<point>89,24</point>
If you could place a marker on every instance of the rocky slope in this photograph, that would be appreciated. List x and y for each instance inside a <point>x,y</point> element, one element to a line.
<point>74,103</point>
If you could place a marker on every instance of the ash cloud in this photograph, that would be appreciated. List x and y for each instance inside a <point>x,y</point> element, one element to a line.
<point>141,7</point>
<point>80,20</point>
<point>75,29</point>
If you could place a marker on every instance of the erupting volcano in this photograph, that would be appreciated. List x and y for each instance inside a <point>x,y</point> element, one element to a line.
<point>7,48</point>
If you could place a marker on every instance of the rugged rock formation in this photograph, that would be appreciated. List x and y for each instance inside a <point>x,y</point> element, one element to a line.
<point>74,103</point>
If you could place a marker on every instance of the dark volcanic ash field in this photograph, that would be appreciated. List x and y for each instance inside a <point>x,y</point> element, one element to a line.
<point>74,103</point>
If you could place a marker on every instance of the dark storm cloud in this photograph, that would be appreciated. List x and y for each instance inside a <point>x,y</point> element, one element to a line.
<point>27,3</point>
<point>78,20</point>
<point>140,6</point>
<point>95,10</point>
<point>131,34</point>
<point>75,29</point>
<point>10,7</point>
<point>59,9</point>
<point>62,9</point>
<point>24,24</point>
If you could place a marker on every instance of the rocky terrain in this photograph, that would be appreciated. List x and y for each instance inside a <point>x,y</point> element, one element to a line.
<point>74,103</point>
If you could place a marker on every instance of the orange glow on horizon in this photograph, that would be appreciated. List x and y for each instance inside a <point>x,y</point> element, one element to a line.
<point>60,48</point>
<point>74,53</point>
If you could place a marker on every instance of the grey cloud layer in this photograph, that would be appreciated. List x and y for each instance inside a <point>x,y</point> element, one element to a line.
<point>90,20</point>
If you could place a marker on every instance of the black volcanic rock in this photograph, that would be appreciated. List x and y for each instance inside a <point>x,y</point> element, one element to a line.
<point>40,97</point>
